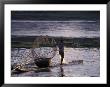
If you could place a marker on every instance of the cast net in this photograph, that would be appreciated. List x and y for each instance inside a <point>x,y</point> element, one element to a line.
<point>43,47</point>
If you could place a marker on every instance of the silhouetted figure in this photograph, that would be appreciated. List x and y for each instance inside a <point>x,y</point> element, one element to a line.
<point>61,50</point>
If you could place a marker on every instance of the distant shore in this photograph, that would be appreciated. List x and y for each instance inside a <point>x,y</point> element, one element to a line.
<point>27,41</point>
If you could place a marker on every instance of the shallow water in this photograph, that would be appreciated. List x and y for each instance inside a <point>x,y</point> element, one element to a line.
<point>89,68</point>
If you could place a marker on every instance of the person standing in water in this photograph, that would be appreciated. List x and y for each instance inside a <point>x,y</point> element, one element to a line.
<point>61,50</point>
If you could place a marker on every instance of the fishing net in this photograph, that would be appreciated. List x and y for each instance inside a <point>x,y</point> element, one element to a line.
<point>43,49</point>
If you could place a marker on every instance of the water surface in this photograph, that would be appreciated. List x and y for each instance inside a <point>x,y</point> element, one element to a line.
<point>74,28</point>
<point>89,68</point>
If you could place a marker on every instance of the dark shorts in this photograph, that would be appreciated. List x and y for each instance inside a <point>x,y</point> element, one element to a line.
<point>61,53</point>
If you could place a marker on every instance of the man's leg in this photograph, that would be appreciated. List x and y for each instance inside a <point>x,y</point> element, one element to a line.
<point>61,60</point>
<point>62,56</point>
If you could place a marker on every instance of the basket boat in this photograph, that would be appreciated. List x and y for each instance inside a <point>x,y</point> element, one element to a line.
<point>43,62</point>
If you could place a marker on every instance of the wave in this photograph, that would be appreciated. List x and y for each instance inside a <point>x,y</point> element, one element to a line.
<point>52,21</point>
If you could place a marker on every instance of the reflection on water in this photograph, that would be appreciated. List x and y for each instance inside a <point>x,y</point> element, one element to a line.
<point>89,66</point>
<point>43,70</point>
<point>62,72</point>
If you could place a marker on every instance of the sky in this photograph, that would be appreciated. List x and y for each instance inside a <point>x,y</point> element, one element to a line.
<point>55,15</point>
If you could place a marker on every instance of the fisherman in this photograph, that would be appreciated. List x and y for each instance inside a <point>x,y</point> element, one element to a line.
<point>61,50</point>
